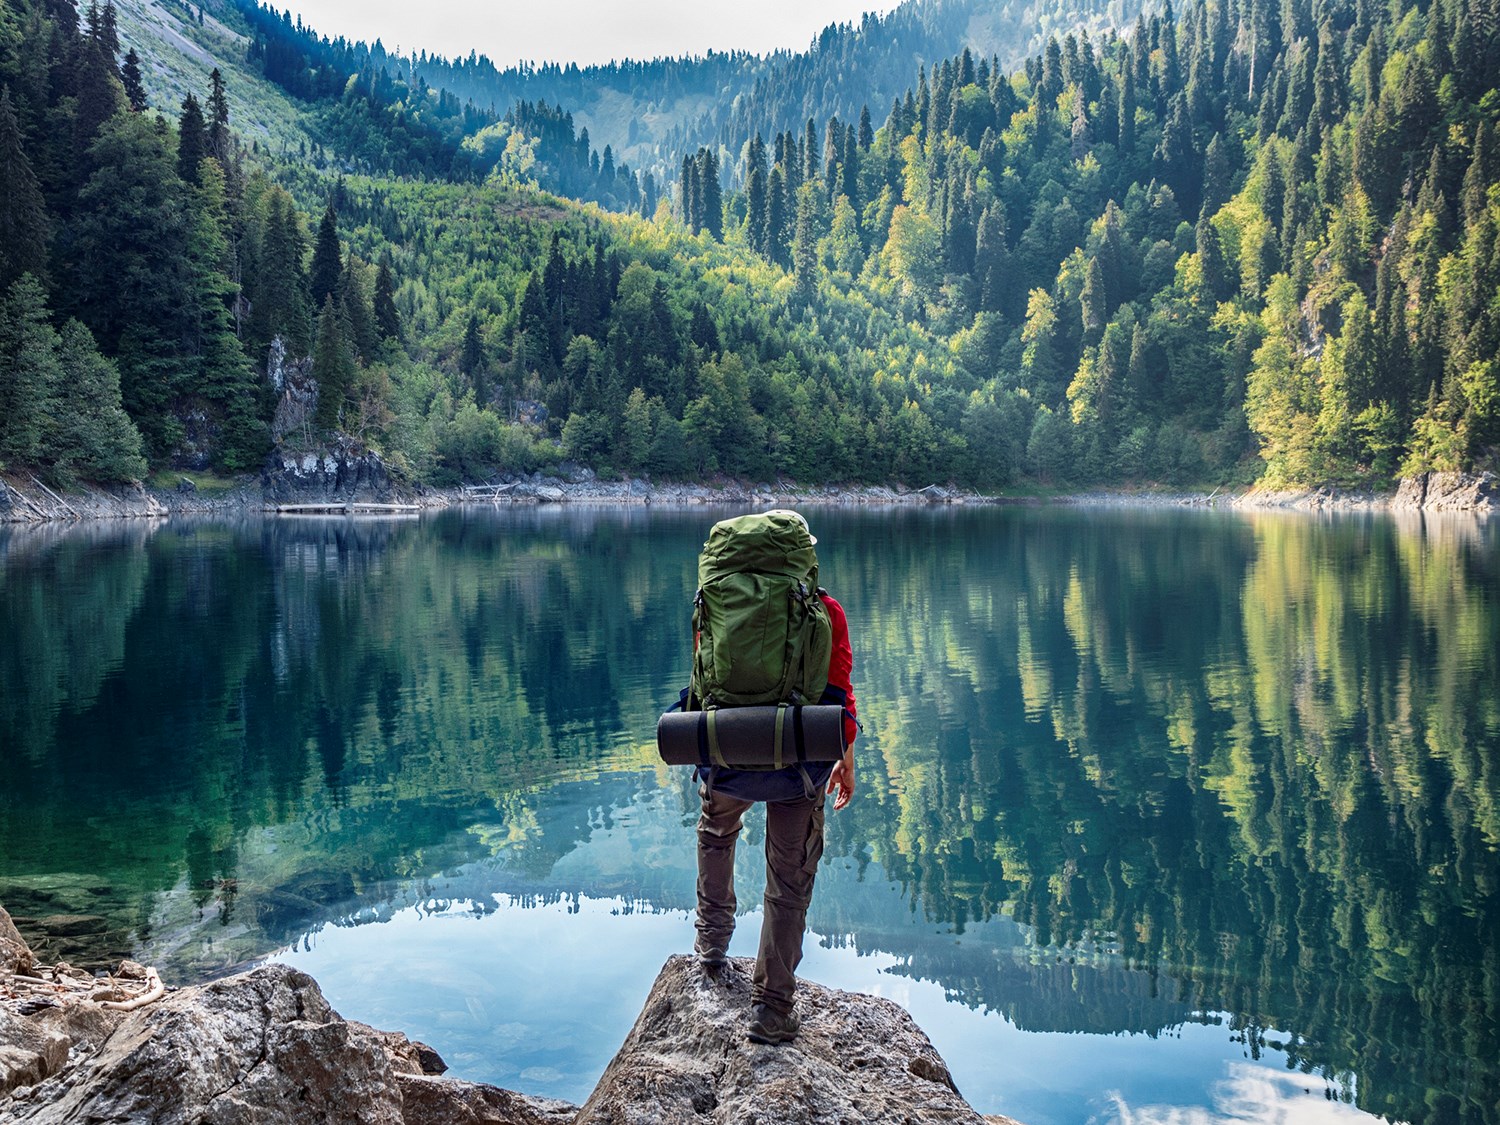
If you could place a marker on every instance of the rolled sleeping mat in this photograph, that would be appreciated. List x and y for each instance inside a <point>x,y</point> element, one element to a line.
<point>765,737</point>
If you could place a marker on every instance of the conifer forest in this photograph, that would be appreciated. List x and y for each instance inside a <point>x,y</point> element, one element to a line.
<point>1226,243</point>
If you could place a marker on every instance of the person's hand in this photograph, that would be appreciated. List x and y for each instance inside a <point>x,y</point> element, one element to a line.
<point>841,783</point>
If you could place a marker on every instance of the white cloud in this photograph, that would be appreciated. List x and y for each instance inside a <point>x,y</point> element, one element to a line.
<point>1250,1095</point>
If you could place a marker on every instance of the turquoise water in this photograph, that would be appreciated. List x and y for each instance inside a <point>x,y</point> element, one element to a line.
<point>1162,815</point>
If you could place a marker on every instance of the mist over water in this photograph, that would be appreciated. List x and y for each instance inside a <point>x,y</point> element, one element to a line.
<point>1160,813</point>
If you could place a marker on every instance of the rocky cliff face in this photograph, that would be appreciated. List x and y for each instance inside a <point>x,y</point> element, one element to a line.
<point>264,1047</point>
<point>337,472</point>
<point>1448,492</point>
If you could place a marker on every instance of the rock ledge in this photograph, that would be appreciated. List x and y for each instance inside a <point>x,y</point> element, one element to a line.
<point>265,1048</point>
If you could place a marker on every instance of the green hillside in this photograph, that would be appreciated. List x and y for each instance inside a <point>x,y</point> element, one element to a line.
<point>1260,239</point>
<point>180,53</point>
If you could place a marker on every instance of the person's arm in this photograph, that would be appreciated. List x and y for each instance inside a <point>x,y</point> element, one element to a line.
<point>841,676</point>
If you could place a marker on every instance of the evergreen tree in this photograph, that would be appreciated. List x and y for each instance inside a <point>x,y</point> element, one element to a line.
<point>757,214</point>
<point>130,78</point>
<point>333,368</point>
<point>29,373</point>
<point>471,353</point>
<point>1093,301</point>
<point>1127,113</point>
<point>805,241</point>
<point>92,436</point>
<point>192,140</point>
<point>387,319</point>
<point>992,260</point>
<point>130,281</point>
<point>279,299</point>
<point>98,96</point>
<point>24,225</point>
<point>354,306</point>
<point>224,381</point>
<point>218,137</point>
<point>710,195</point>
<point>327,259</point>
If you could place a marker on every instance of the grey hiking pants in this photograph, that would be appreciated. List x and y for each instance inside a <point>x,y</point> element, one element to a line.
<point>794,844</point>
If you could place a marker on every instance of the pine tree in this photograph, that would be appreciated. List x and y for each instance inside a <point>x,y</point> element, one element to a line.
<point>1217,281</point>
<point>1127,114</point>
<point>691,204</point>
<point>777,210</point>
<point>225,379</point>
<point>756,213</point>
<point>24,225</point>
<point>1093,302</point>
<point>279,300</point>
<point>94,439</point>
<point>327,259</point>
<point>710,195</point>
<point>130,78</point>
<point>471,359</point>
<point>99,96</point>
<point>218,137</point>
<point>130,282</point>
<point>991,260</point>
<point>192,140</point>
<point>387,319</point>
<point>333,368</point>
<point>805,242</point>
<point>354,305</point>
<point>29,374</point>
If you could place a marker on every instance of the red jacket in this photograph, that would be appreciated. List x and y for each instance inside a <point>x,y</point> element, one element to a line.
<point>841,666</point>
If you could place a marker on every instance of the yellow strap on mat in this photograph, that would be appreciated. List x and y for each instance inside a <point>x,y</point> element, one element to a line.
<point>713,740</point>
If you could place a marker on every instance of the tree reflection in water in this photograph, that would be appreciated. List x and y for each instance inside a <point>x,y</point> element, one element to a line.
<point>1211,763</point>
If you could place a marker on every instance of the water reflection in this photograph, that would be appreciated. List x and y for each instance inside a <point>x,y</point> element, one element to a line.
<point>1219,792</point>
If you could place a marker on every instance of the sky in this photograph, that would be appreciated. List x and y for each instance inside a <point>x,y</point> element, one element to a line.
<point>582,31</point>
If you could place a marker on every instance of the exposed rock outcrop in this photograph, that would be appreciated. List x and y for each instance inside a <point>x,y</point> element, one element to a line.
<point>265,1047</point>
<point>336,472</point>
<point>15,955</point>
<point>297,390</point>
<point>857,1058</point>
<point>1448,492</point>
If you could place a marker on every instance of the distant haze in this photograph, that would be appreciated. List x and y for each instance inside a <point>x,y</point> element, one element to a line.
<point>582,31</point>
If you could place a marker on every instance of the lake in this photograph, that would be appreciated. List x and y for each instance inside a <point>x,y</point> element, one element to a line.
<point>1162,815</point>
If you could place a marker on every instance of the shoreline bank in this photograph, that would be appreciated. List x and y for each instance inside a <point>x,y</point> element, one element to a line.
<point>29,501</point>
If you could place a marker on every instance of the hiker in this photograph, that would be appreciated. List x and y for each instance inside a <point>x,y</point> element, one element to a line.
<point>794,799</point>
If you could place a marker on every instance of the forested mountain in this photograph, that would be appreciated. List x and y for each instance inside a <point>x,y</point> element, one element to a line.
<point>1262,231</point>
<point>645,112</point>
<point>1278,217</point>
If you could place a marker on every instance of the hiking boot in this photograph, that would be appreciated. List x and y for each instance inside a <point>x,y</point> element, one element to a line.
<point>712,957</point>
<point>770,1026</point>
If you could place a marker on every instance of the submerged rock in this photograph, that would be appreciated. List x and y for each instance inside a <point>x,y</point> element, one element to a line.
<point>858,1058</point>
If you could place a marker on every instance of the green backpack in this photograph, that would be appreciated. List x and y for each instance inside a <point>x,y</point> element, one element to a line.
<point>763,633</point>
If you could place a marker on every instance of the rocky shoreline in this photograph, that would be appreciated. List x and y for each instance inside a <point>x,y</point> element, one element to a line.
<point>265,1046</point>
<point>336,480</point>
